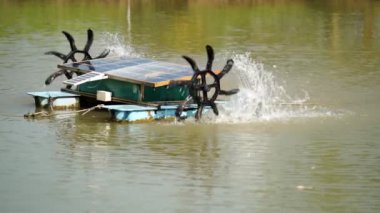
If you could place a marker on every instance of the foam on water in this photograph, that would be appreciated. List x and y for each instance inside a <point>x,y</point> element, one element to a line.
<point>262,98</point>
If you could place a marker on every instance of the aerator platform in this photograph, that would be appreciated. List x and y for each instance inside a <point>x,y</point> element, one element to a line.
<point>135,88</point>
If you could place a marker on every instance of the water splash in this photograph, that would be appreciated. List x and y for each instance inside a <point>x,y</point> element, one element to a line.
<point>262,98</point>
<point>118,46</point>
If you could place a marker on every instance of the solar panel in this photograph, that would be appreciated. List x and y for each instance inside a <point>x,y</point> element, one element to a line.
<point>141,70</point>
<point>105,64</point>
<point>91,76</point>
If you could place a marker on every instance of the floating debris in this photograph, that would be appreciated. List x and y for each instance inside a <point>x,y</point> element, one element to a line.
<point>301,187</point>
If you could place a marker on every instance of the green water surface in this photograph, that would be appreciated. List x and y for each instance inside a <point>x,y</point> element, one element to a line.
<point>325,160</point>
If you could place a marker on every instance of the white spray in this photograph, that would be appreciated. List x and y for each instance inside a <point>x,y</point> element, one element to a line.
<point>261,98</point>
<point>116,44</point>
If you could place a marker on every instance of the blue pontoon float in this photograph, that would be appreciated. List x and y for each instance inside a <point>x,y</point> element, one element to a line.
<point>134,89</point>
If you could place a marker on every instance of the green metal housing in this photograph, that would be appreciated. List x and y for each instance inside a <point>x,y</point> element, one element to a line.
<point>135,92</point>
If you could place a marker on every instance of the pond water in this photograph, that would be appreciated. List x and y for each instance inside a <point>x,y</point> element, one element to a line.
<point>301,136</point>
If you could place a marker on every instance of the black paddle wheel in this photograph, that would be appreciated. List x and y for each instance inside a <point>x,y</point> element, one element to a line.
<point>75,55</point>
<point>204,86</point>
